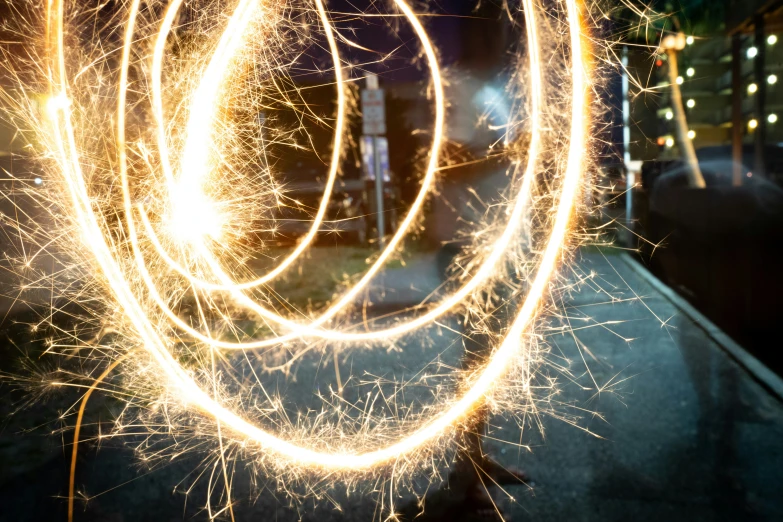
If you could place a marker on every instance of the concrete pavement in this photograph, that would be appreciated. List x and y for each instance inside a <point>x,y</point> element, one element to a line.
<point>688,433</point>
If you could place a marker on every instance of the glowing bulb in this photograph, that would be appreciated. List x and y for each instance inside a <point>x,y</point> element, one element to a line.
<point>37,181</point>
<point>670,142</point>
<point>690,40</point>
<point>691,134</point>
<point>680,80</point>
<point>772,79</point>
<point>753,52</point>
<point>691,103</point>
<point>690,72</point>
<point>772,39</point>
<point>669,115</point>
<point>772,118</point>
<point>753,124</point>
<point>753,88</point>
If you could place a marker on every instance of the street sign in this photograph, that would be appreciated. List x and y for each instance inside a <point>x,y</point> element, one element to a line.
<point>375,147</point>
<point>373,112</point>
<point>368,151</point>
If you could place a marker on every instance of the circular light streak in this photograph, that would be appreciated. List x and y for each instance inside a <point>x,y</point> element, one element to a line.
<point>185,182</point>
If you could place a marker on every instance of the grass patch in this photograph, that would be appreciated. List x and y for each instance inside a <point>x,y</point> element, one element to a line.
<point>319,273</point>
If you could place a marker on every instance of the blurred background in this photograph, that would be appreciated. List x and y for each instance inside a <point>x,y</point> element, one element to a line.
<point>686,238</point>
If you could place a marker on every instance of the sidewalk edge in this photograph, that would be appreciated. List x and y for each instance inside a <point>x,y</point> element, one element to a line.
<point>758,370</point>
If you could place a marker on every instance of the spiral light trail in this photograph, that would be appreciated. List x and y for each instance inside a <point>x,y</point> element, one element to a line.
<point>185,181</point>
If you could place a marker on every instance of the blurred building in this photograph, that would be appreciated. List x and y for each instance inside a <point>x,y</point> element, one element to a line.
<point>732,87</point>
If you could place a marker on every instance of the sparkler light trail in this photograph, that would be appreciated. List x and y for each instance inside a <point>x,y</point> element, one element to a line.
<point>160,219</point>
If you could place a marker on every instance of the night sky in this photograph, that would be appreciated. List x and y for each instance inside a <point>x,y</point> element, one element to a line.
<point>452,24</point>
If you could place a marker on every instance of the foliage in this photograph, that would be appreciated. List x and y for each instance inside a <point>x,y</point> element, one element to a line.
<point>699,17</point>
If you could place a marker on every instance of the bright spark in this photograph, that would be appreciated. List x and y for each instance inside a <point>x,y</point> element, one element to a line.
<point>174,218</point>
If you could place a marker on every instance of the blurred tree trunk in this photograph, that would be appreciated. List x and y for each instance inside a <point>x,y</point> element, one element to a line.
<point>695,177</point>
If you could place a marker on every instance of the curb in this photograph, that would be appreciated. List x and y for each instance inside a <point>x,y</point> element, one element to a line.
<point>758,370</point>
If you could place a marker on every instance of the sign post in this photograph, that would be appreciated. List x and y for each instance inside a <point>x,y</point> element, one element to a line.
<point>374,125</point>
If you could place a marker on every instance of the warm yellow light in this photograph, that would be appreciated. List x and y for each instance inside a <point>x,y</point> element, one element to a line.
<point>691,103</point>
<point>690,72</point>
<point>680,80</point>
<point>194,215</point>
<point>753,88</point>
<point>669,115</point>
<point>772,79</point>
<point>772,39</point>
<point>689,40</point>
<point>670,142</point>
<point>57,103</point>
<point>772,118</point>
<point>691,134</point>
<point>753,124</point>
<point>752,52</point>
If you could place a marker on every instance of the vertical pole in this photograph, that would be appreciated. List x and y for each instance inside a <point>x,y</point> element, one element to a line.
<point>761,94</point>
<point>695,178</point>
<point>378,192</point>
<point>630,177</point>
<point>737,121</point>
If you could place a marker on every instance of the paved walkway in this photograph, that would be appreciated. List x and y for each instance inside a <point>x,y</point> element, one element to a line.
<point>689,434</point>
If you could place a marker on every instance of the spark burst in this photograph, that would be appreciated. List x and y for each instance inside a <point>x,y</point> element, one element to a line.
<point>148,172</point>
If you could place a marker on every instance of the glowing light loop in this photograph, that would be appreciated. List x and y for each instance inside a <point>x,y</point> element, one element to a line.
<point>195,165</point>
